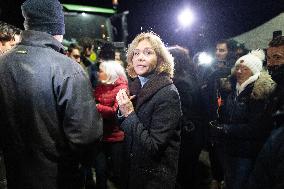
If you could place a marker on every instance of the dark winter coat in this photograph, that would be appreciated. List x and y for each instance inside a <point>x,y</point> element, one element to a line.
<point>275,104</point>
<point>192,108</point>
<point>191,102</point>
<point>105,95</point>
<point>153,134</point>
<point>48,115</point>
<point>241,115</point>
<point>192,126</point>
<point>213,91</point>
<point>269,167</point>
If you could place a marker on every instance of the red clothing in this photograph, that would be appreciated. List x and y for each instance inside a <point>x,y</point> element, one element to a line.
<point>105,95</point>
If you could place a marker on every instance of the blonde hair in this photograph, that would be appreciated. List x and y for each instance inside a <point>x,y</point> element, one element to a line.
<point>165,61</point>
<point>113,70</point>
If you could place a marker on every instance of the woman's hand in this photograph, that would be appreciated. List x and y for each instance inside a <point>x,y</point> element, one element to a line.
<point>124,102</point>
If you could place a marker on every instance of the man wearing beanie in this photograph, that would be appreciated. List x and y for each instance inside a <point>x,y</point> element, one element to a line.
<point>240,115</point>
<point>48,116</point>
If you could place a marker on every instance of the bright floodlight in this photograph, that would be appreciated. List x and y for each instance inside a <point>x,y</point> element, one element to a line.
<point>186,18</point>
<point>204,58</point>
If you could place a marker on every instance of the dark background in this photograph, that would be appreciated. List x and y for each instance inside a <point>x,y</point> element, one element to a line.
<point>215,19</point>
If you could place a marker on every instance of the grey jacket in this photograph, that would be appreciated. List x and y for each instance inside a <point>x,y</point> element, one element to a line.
<point>48,115</point>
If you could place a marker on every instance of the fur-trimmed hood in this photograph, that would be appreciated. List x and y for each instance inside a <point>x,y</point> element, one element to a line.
<point>262,88</point>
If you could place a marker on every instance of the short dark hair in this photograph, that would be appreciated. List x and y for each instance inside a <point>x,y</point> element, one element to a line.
<point>107,51</point>
<point>183,63</point>
<point>86,42</point>
<point>231,44</point>
<point>73,46</point>
<point>277,41</point>
<point>221,41</point>
<point>8,32</point>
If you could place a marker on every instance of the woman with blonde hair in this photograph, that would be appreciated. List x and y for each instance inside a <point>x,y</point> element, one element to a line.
<point>152,119</point>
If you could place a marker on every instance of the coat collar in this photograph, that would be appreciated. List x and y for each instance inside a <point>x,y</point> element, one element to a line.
<point>155,83</point>
<point>262,88</point>
<point>40,39</point>
<point>252,79</point>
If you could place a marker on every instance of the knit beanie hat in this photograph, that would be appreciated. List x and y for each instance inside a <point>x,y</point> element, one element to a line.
<point>252,60</point>
<point>44,15</point>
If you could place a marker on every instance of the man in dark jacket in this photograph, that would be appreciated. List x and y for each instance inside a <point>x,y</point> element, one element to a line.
<point>48,116</point>
<point>9,37</point>
<point>269,167</point>
<point>224,60</point>
<point>192,129</point>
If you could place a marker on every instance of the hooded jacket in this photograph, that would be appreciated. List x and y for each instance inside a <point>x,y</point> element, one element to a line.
<point>241,115</point>
<point>48,115</point>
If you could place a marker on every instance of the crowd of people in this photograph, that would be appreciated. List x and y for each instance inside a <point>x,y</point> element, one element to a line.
<point>139,121</point>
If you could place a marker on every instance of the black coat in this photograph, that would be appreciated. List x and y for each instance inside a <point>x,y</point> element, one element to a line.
<point>153,134</point>
<point>210,93</point>
<point>192,108</point>
<point>48,115</point>
<point>190,96</point>
<point>192,127</point>
<point>213,90</point>
<point>241,115</point>
<point>275,104</point>
<point>269,167</point>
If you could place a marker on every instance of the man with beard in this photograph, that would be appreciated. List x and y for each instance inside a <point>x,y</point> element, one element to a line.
<point>269,167</point>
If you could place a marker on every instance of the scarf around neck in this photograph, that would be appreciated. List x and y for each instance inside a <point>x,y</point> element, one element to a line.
<point>251,79</point>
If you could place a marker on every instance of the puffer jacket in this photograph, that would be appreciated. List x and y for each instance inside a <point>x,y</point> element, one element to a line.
<point>105,95</point>
<point>241,115</point>
<point>48,115</point>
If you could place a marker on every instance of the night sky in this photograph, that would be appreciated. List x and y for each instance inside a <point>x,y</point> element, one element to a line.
<point>215,19</point>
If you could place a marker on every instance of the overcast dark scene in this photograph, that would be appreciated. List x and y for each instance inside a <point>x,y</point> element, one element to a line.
<point>141,94</point>
<point>211,20</point>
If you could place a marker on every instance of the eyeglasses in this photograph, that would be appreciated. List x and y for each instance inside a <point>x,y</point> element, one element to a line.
<point>146,52</point>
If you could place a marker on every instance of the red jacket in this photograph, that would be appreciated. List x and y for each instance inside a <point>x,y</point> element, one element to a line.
<point>105,95</point>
